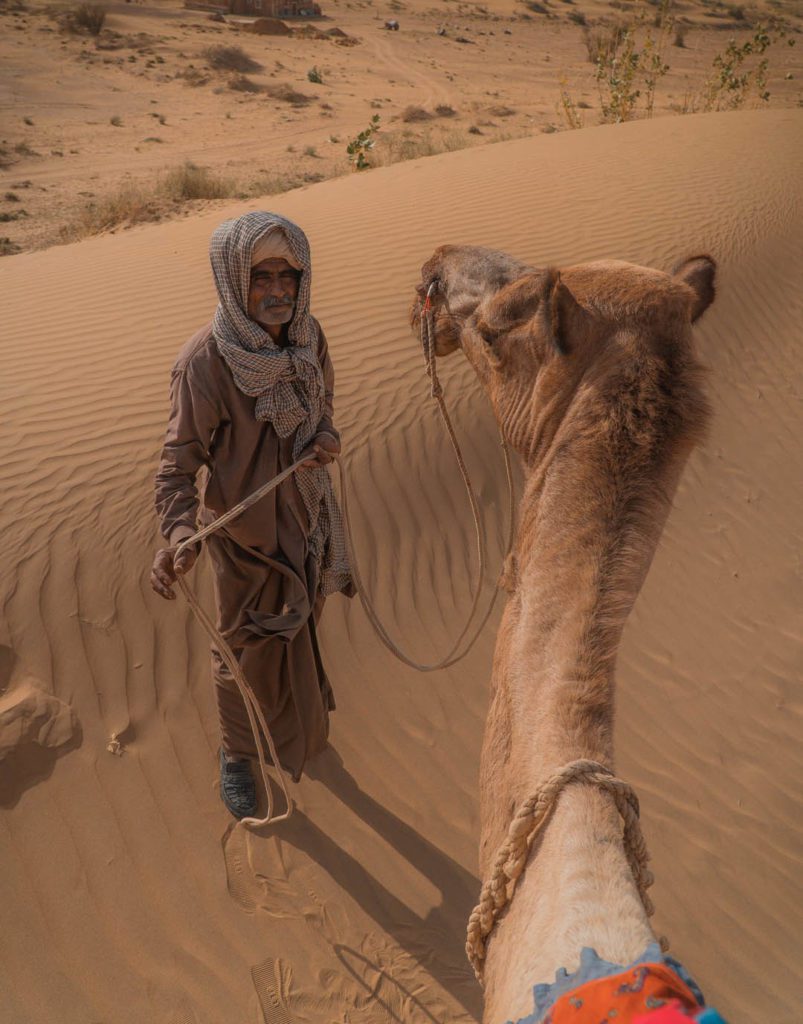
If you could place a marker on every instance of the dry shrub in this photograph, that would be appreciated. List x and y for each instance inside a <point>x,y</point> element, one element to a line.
<point>86,17</point>
<point>394,148</point>
<point>602,42</point>
<point>140,202</point>
<point>444,110</point>
<point>9,248</point>
<point>241,83</point>
<point>192,182</point>
<point>501,111</point>
<point>414,115</point>
<point>287,94</point>
<point>230,58</point>
<point>191,76</point>
<point>131,204</point>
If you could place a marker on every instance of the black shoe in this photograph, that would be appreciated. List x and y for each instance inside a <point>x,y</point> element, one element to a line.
<point>237,789</point>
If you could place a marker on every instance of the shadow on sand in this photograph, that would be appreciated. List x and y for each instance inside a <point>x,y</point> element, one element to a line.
<point>435,941</point>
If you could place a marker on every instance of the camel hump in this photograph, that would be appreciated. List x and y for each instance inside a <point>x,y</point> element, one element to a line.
<point>699,273</point>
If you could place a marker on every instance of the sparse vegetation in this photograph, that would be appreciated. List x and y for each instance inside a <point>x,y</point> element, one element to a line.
<point>242,83</point>
<point>734,77</point>
<point>287,94</point>
<point>567,107</point>
<point>9,248</point>
<point>116,121</point>
<point>315,75</point>
<point>230,58</point>
<point>444,110</point>
<point>362,144</point>
<point>86,17</point>
<point>192,182</point>
<point>415,115</point>
<point>310,151</point>
<point>622,68</point>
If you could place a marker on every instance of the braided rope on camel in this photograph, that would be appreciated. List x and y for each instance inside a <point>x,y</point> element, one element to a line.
<point>511,858</point>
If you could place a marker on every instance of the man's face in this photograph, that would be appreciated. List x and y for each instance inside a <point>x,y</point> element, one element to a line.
<point>272,293</point>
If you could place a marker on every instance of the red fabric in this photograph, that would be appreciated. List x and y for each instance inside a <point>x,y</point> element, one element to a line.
<point>672,1014</point>
<point>631,994</point>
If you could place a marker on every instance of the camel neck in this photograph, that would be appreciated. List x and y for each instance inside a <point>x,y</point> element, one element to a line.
<point>585,542</point>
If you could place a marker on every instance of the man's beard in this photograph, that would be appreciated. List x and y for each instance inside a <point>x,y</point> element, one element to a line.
<point>267,311</point>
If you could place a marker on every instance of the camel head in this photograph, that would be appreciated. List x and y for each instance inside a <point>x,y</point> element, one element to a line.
<point>538,337</point>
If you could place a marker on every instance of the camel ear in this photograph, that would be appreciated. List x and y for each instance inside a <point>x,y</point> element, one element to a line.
<point>541,293</point>
<point>556,305</point>
<point>698,273</point>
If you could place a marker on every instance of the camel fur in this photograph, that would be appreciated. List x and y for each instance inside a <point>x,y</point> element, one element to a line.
<point>593,378</point>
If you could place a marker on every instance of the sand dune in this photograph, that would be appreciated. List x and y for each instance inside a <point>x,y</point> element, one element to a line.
<point>126,895</point>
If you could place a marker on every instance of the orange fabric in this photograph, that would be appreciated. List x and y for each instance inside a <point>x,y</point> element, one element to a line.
<point>620,997</point>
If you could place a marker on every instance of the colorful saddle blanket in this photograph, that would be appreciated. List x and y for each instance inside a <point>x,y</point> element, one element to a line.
<point>655,989</point>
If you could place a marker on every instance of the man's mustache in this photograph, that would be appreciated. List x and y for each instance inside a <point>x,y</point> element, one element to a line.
<point>269,303</point>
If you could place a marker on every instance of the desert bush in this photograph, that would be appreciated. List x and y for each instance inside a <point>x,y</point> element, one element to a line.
<point>567,107</point>
<point>734,77</point>
<point>362,144</point>
<point>314,75</point>
<point>116,121</point>
<point>287,94</point>
<point>9,248</point>
<point>414,115</point>
<point>192,182</point>
<point>242,83</point>
<point>602,42</point>
<point>131,204</point>
<point>190,76</point>
<point>88,17</point>
<point>444,110</point>
<point>626,71</point>
<point>680,36</point>
<point>577,17</point>
<point>230,58</point>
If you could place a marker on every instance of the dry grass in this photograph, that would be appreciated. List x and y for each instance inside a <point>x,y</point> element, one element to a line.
<point>396,147</point>
<point>192,182</point>
<point>602,42</point>
<point>242,83</point>
<point>137,203</point>
<point>230,58</point>
<point>287,94</point>
<point>86,18</point>
<point>415,115</point>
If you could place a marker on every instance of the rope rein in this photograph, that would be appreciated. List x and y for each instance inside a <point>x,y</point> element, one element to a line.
<point>256,718</point>
<point>511,857</point>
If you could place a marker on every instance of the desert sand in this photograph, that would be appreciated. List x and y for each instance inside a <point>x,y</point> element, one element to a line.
<point>126,894</point>
<point>86,119</point>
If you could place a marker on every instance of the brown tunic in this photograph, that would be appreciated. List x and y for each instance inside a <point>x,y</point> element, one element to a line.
<point>263,581</point>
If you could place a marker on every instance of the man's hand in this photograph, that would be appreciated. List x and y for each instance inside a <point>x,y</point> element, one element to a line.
<point>166,568</point>
<point>321,452</point>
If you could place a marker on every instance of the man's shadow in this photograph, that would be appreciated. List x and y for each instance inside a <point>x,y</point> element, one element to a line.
<point>442,927</point>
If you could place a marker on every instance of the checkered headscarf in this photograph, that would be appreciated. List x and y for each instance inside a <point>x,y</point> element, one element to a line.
<point>287,382</point>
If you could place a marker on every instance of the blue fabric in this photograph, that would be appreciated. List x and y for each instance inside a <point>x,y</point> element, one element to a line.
<point>593,967</point>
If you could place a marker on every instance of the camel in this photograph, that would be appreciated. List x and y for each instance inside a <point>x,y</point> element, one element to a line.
<point>594,383</point>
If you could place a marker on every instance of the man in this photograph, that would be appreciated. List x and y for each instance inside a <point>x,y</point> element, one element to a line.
<point>251,393</point>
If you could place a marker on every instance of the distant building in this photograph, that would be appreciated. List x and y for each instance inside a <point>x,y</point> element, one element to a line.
<point>276,8</point>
